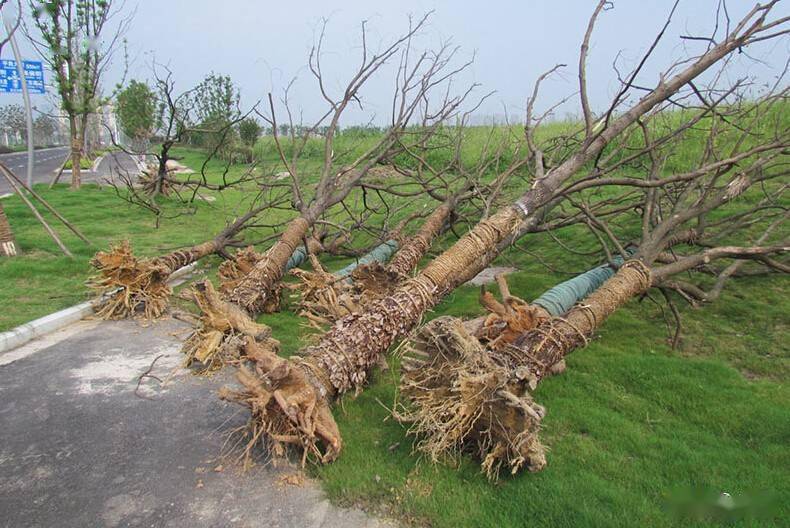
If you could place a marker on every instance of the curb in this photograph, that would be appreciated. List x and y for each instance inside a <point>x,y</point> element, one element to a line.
<point>55,321</point>
<point>94,167</point>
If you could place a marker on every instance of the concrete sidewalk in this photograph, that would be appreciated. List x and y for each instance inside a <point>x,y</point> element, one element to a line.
<point>79,448</point>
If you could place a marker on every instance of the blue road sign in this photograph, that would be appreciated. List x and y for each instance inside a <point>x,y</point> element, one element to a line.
<point>10,81</point>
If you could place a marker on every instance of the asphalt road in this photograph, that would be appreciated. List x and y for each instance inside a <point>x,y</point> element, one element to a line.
<point>79,448</point>
<point>48,161</point>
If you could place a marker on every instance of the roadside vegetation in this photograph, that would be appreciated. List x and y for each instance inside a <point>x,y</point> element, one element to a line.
<point>633,424</point>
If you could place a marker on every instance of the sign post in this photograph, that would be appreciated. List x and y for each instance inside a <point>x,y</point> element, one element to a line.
<point>18,75</point>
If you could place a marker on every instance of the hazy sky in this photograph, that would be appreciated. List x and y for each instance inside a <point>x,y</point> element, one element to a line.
<point>263,44</point>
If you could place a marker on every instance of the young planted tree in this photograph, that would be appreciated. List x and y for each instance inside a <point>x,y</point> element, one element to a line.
<point>138,113</point>
<point>289,399</point>
<point>45,129</point>
<point>216,105</point>
<point>465,394</point>
<point>77,40</point>
<point>249,132</point>
<point>314,194</point>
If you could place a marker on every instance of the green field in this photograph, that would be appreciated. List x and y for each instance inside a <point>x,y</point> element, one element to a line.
<point>636,430</point>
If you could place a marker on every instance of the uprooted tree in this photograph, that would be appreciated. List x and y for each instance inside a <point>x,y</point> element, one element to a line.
<point>290,400</point>
<point>131,286</point>
<point>417,80</point>
<point>462,193</point>
<point>466,394</point>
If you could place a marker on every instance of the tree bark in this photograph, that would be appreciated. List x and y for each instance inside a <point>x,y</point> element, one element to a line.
<point>416,247</point>
<point>76,153</point>
<point>252,292</point>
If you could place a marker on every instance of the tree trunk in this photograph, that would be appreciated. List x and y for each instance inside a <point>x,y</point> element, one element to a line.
<point>233,271</point>
<point>253,291</point>
<point>297,397</point>
<point>76,153</point>
<point>416,247</point>
<point>296,407</point>
<point>130,285</point>
<point>327,297</point>
<point>7,242</point>
<point>464,395</point>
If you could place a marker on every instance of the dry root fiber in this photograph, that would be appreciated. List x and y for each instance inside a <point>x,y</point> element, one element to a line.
<point>461,400</point>
<point>138,287</point>
<point>288,406</point>
<point>131,286</point>
<point>342,360</point>
<point>465,396</point>
<point>148,180</point>
<point>507,319</point>
<point>324,297</point>
<point>223,329</point>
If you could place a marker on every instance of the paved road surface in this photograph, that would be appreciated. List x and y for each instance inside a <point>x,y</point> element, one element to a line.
<point>79,449</point>
<point>48,161</point>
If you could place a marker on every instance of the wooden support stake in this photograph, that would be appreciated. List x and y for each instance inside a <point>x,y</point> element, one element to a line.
<point>47,205</point>
<point>36,213</point>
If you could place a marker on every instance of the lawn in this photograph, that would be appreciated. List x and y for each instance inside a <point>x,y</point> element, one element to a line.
<point>636,430</point>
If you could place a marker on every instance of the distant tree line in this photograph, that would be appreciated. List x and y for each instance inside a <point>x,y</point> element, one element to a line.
<point>13,127</point>
<point>210,117</point>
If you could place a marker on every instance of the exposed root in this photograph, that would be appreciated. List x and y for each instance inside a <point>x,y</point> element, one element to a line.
<point>508,319</point>
<point>231,271</point>
<point>222,331</point>
<point>130,286</point>
<point>324,297</point>
<point>148,181</point>
<point>463,394</point>
<point>288,406</point>
<point>375,280</point>
<point>460,399</point>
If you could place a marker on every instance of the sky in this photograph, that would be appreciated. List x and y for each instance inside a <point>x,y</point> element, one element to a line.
<point>262,45</point>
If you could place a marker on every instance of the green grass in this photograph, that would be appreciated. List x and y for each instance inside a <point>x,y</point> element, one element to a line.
<point>633,426</point>
<point>86,163</point>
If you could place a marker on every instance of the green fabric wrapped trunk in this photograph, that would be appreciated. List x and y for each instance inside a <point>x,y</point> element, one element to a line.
<point>562,297</point>
<point>381,253</point>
